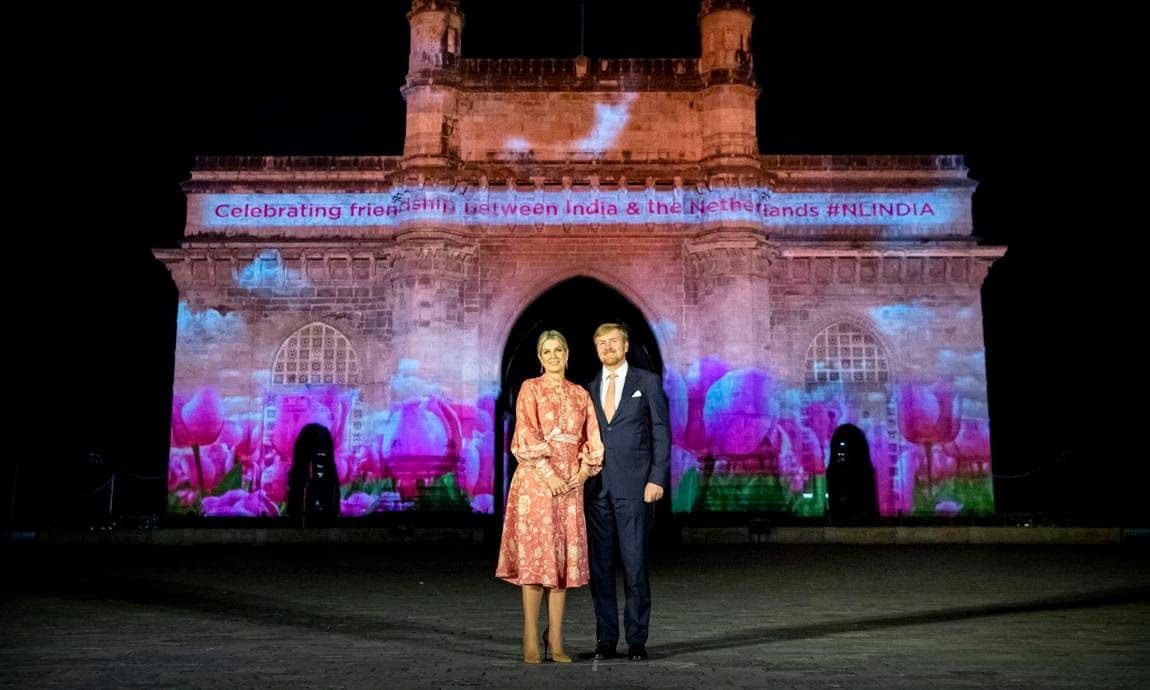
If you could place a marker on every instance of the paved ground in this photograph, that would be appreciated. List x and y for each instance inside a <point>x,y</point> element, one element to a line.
<point>724,616</point>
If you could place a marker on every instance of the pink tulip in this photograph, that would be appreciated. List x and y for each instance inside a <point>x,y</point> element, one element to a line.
<point>473,418</point>
<point>971,448</point>
<point>230,433</point>
<point>201,470</point>
<point>928,416</point>
<point>737,412</point>
<point>371,466</point>
<point>181,437</point>
<point>247,448</point>
<point>420,442</point>
<point>702,374</point>
<point>195,423</point>
<point>203,417</point>
<point>179,462</point>
<point>894,476</point>
<point>274,481</point>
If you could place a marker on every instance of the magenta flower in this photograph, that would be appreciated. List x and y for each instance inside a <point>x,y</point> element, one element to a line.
<point>239,503</point>
<point>187,497</point>
<point>737,412</point>
<point>195,423</point>
<point>391,501</point>
<point>357,504</point>
<point>198,421</point>
<point>200,470</point>
<point>247,448</point>
<point>678,402</point>
<point>475,471</point>
<point>420,442</point>
<point>700,377</point>
<point>230,433</point>
<point>948,508</point>
<point>928,416</point>
<point>822,418</point>
<point>330,407</point>
<point>893,473</point>
<point>682,461</point>
<point>474,418</point>
<point>971,448</point>
<point>179,463</point>
<point>483,503</point>
<point>274,481</point>
<point>361,463</point>
<point>786,461</point>
<point>806,446</point>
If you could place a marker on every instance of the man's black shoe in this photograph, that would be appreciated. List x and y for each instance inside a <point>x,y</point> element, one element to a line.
<point>637,652</point>
<point>605,650</point>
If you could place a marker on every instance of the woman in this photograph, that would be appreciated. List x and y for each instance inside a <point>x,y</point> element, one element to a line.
<point>557,444</point>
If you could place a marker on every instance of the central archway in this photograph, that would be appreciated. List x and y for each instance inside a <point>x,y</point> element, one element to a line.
<point>574,307</point>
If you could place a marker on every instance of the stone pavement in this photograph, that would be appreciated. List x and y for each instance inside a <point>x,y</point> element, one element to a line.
<point>387,615</point>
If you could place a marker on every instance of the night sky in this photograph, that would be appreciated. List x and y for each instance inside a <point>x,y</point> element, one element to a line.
<point>134,105</point>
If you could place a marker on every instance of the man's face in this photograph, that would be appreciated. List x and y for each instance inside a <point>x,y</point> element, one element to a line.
<point>612,348</point>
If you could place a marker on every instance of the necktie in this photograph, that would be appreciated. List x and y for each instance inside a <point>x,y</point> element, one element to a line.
<point>609,403</point>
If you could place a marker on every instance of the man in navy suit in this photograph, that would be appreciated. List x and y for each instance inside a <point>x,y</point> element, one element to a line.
<point>633,422</point>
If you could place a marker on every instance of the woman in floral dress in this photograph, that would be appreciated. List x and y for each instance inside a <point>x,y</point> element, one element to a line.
<point>557,444</point>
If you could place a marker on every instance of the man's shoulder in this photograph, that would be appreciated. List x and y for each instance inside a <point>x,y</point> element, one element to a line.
<point>644,375</point>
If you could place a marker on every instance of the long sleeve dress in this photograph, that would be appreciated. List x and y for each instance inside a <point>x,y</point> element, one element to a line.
<point>544,536</point>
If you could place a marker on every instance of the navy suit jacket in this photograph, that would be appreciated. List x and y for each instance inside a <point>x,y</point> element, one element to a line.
<point>637,441</point>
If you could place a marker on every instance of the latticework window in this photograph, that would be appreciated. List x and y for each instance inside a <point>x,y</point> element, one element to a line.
<point>316,354</point>
<point>846,353</point>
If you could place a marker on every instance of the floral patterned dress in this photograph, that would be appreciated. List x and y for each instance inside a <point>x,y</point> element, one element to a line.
<point>544,536</point>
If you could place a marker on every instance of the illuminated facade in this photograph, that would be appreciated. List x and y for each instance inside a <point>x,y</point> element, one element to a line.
<point>787,295</point>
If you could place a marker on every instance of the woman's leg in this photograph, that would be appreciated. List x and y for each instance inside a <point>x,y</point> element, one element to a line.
<point>532,598</point>
<point>556,601</point>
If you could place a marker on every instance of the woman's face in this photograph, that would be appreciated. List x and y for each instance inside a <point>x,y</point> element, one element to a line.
<point>553,356</point>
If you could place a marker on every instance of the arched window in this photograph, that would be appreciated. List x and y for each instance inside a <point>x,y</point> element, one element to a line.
<point>316,354</point>
<point>846,353</point>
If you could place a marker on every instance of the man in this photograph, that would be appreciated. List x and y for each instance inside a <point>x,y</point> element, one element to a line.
<point>633,422</point>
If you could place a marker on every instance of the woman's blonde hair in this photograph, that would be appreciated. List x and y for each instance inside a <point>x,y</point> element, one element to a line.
<point>550,335</point>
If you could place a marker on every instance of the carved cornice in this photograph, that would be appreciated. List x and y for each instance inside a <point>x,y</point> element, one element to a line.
<point>434,255</point>
<point>284,267</point>
<point>729,253</point>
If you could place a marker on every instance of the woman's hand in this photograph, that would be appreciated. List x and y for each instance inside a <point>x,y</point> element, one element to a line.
<point>556,485</point>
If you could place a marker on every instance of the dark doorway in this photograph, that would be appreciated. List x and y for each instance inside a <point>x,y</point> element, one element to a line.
<point>574,307</point>
<point>850,478</point>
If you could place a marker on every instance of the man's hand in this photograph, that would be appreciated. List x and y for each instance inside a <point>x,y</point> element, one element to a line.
<point>576,480</point>
<point>652,493</point>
